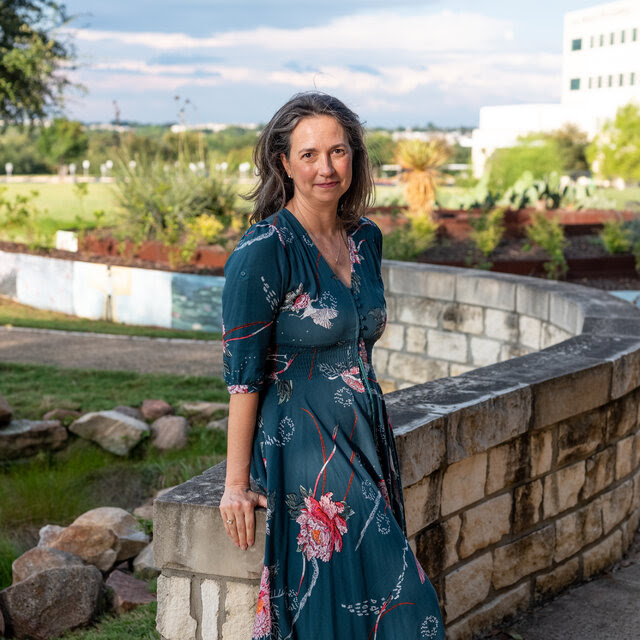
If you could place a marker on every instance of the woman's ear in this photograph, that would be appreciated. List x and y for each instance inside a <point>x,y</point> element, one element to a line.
<point>285,164</point>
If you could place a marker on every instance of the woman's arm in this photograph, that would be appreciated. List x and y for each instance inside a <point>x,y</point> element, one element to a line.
<point>238,501</point>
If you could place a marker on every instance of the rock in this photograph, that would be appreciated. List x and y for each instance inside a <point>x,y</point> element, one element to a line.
<point>113,431</point>
<point>221,424</point>
<point>144,511</point>
<point>132,412</point>
<point>40,559</point>
<point>48,533</point>
<point>154,409</point>
<point>95,545</point>
<point>143,566</point>
<point>23,438</point>
<point>61,414</point>
<point>169,432</point>
<point>131,537</point>
<point>129,592</point>
<point>51,602</point>
<point>204,409</point>
<point>6,412</point>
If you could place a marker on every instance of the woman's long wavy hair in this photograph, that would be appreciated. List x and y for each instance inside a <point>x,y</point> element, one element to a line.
<point>275,189</point>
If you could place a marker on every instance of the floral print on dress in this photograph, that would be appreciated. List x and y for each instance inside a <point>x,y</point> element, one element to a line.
<point>262,623</point>
<point>322,310</point>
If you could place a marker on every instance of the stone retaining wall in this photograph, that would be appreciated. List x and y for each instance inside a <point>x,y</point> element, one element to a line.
<point>520,477</point>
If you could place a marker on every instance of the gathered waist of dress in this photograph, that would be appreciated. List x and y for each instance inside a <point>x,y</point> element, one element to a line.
<point>288,361</point>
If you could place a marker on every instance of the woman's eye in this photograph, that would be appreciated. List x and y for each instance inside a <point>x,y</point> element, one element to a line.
<point>306,155</point>
<point>338,151</point>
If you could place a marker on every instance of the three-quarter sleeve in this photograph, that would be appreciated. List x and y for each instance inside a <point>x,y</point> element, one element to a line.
<point>256,277</point>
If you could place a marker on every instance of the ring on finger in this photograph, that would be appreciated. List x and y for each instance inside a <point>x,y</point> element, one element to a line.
<point>228,521</point>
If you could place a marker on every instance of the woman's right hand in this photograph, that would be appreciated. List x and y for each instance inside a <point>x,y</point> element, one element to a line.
<point>237,507</point>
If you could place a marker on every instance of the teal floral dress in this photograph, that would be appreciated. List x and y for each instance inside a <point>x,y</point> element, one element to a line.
<point>337,563</point>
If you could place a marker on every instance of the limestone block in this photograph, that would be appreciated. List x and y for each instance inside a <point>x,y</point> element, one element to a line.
<point>577,530</point>
<point>626,373</point>
<point>532,300</point>
<point>447,345</point>
<point>580,436</point>
<point>51,602</point>
<point>40,559</point>
<point>22,438</point>
<point>523,557</point>
<point>464,483</point>
<point>94,544</point>
<point>240,610</point>
<point>552,335</point>
<point>502,325</point>
<point>562,488</point>
<point>169,432</point>
<point>153,408</point>
<point>550,584</point>
<point>508,463</point>
<point>527,501</point>
<point>622,416</point>
<point>565,313</point>
<point>600,472</point>
<point>416,339</point>
<point>636,456</point>
<point>616,505</point>
<point>419,312</point>
<point>602,555</point>
<point>421,280</point>
<point>387,386</point>
<point>210,594</point>
<point>463,318</point>
<point>484,351</point>
<point>112,430</point>
<point>467,586</point>
<point>489,291</point>
<point>174,620</point>
<point>451,528</point>
<point>485,524</point>
<point>430,543</point>
<point>624,457</point>
<point>485,617</point>
<point>380,358</point>
<point>541,452</point>
<point>422,503</point>
<point>457,369</point>
<point>415,369</point>
<point>393,337</point>
<point>420,451</point>
<point>629,529</point>
<point>128,592</point>
<point>509,351</point>
<point>529,331</point>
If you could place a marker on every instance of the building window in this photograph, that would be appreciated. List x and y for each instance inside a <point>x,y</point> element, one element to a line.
<point>575,84</point>
<point>610,84</point>
<point>634,35</point>
<point>601,39</point>
<point>590,82</point>
<point>599,82</point>
<point>612,38</point>
<point>622,37</point>
<point>621,79</point>
<point>592,41</point>
<point>576,44</point>
<point>632,78</point>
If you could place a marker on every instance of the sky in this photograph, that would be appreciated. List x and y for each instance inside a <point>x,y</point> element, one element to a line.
<point>395,62</point>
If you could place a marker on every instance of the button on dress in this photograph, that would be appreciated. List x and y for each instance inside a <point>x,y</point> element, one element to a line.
<point>337,563</point>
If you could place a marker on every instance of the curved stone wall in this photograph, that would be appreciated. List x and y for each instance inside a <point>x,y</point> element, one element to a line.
<point>520,476</point>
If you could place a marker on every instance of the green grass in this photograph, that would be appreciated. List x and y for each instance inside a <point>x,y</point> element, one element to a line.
<point>56,487</point>
<point>621,197</point>
<point>19,315</point>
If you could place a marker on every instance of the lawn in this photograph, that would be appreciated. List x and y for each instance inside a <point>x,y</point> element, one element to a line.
<point>19,315</point>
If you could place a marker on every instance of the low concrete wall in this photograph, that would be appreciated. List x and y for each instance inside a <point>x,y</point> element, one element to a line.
<point>520,477</point>
<point>122,294</point>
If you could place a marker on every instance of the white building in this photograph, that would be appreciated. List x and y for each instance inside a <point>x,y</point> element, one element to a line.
<point>600,73</point>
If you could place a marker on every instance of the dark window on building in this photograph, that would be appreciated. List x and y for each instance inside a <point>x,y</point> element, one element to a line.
<point>610,81</point>
<point>612,38</point>
<point>599,82</point>
<point>575,84</point>
<point>622,37</point>
<point>634,35</point>
<point>632,78</point>
<point>621,79</point>
<point>592,41</point>
<point>576,44</point>
<point>590,82</point>
<point>601,40</point>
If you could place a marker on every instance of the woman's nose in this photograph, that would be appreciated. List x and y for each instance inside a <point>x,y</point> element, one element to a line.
<point>326,166</point>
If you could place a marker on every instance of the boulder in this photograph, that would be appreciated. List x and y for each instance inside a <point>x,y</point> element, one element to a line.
<point>1,624</point>
<point>6,412</point>
<point>221,424</point>
<point>51,602</point>
<point>61,414</point>
<point>48,533</point>
<point>22,438</point>
<point>95,545</point>
<point>169,432</point>
<point>203,409</point>
<point>40,559</point>
<point>113,431</point>
<point>128,592</point>
<point>131,538</point>
<point>143,565</point>
<point>154,409</point>
<point>132,412</point>
<point>145,511</point>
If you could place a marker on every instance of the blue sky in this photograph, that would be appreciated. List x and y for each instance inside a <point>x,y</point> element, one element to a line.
<point>396,62</point>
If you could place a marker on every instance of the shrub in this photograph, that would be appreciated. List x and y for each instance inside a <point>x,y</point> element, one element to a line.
<point>407,243</point>
<point>487,230</point>
<point>547,233</point>
<point>615,237</point>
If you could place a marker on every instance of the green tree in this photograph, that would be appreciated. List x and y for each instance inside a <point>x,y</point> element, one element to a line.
<point>615,151</point>
<point>572,144</point>
<point>381,148</point>
<point>63,141</point>
<point>33,59</point>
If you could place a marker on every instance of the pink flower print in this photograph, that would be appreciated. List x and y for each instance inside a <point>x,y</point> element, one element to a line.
<point>352,378</point>
<point>238,388</point>
<point>262,623</point>
<point>353,252</point>
<point>301,302</point>
<point>321,527</point>
<point>362,351</point>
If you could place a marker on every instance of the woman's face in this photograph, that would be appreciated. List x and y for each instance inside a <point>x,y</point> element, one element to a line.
<point>319,161</point>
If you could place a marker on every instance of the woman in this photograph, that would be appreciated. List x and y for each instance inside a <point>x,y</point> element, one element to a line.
<point>303,305</point>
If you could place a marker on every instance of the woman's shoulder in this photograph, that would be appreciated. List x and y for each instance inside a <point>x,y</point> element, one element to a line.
<point>366,228</point>
<point>266,234</point>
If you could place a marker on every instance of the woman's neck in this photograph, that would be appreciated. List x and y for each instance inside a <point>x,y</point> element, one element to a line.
<point>319,221</point>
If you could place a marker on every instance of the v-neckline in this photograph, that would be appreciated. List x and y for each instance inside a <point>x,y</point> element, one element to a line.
<point>313,244</point>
